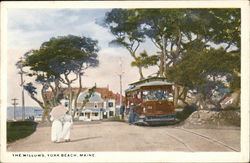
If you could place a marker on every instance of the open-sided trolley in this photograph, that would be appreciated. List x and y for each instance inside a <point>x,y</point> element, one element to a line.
<point>149,101</point>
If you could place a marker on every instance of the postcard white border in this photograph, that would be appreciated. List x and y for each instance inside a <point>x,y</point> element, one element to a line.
<point>136,156</point>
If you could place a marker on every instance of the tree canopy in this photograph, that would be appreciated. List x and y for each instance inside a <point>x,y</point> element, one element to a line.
<point>61,60</point>
<point>197,47</point>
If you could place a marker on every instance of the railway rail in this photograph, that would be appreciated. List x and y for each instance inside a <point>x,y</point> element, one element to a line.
<point>215,141</point>
<point>209,139</point>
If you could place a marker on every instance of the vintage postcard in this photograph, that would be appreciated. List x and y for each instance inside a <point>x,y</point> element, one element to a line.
<point>125,81</point>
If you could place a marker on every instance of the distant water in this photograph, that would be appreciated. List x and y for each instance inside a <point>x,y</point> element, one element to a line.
<point>29,111</point>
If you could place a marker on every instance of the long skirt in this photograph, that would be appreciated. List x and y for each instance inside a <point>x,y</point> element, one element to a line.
<point>66,130</point>
<point>56,130</point>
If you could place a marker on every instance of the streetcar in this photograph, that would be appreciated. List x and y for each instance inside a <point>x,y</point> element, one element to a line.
<point>150,101</point>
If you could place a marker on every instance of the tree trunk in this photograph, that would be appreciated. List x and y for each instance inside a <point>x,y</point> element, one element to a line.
<point>77,94</point>
<point>161,69</point>
<point>45,116</point>
<point>70,97</point>
<point>200,102</point>
<point>140,72</point>
<point>183,95</point>
<point>176,94</point>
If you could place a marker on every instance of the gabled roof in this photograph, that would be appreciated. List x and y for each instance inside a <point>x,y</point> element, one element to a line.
<point>226,100</point>
<point>95,97</point>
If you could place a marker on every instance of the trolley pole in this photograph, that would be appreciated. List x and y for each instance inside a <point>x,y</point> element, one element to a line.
<point>14,104</point>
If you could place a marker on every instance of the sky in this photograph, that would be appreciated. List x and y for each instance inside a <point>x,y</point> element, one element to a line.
<point>28,28</point>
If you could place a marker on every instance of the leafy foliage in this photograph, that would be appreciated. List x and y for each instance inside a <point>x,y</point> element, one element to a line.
<point>144,60</point>
<point>199,48</point>
<point>54,63</point>
<point>29,87</point>
<point>18,130</point>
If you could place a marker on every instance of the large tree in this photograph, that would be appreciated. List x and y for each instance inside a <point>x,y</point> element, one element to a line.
<point>207,29</point>
<point>59,61</point>
<point>177,33</point>
<point>123,24</point>
<point>206,73</point>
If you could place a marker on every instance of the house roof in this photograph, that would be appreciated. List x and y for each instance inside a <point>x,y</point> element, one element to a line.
<point>95,97</point>
<point>104,92</point>
<point>226,99</point>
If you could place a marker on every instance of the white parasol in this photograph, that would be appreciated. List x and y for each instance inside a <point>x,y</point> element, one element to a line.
<point>58,111</point>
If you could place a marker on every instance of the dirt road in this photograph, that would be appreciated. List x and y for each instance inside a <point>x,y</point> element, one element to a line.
<point>119,136</point>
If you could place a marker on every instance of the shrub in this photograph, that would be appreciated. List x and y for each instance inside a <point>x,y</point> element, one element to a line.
<point>186,112</point>
<point>20,129</point>
<point>231,107</point>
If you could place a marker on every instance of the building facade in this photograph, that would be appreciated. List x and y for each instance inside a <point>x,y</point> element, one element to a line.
<point>101,105</point>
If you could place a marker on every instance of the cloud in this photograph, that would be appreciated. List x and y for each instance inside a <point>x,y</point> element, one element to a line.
<point>29,28</point>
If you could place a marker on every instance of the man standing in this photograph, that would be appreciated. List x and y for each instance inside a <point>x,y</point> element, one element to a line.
<point>122,109</point>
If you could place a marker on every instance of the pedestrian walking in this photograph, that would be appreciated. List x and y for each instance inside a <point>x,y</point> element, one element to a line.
<point>57,115</point>
<point>67,123</point>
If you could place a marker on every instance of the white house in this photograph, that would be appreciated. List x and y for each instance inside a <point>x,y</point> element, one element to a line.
<point>96,108</point>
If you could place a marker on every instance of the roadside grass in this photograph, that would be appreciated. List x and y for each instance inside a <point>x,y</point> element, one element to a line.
<point>19,129</point>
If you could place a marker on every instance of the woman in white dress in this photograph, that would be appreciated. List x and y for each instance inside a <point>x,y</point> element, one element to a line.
<point>57,114</point>
<point>67,123</point>
<point>56,129</point>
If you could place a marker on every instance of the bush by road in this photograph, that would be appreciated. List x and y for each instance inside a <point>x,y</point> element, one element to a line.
<point>20,129</point>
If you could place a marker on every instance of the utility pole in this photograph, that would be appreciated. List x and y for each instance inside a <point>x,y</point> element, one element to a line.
<point>14,104</point>
<point>21,72</point>
<point>120,76</point>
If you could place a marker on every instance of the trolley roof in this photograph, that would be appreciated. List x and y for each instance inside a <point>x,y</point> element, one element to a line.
<point>153,81</point>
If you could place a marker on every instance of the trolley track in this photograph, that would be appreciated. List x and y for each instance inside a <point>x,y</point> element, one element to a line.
<point>180,141</point>
<point>215,141</point>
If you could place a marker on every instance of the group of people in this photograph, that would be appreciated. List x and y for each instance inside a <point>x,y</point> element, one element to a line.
<point>61,125</point>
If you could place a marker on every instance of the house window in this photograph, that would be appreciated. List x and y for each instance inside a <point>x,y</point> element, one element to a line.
<point>111,113</point>
<point>110,104</point>
<point>95,114</point>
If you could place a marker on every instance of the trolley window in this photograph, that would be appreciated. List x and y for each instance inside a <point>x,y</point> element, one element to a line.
<point>155,94</point>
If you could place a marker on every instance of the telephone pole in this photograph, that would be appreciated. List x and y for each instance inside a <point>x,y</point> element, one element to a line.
<point>21,72</point>
<point>14,104</point>
<point>120,76</point>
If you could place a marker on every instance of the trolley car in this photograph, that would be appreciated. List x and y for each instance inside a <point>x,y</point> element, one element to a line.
<point>149,101</point>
